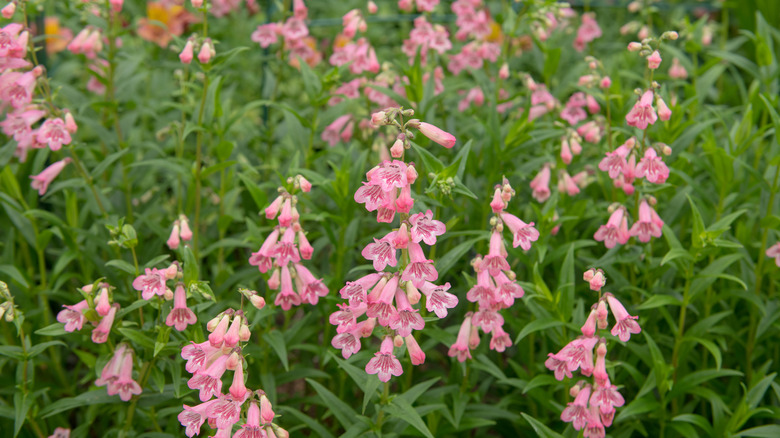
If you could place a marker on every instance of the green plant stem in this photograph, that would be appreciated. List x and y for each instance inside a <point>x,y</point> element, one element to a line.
<point>680,332</point>
<point>88,179</point>
<point>198,166</point>
<point>145,371</point>
<point>380,418</point>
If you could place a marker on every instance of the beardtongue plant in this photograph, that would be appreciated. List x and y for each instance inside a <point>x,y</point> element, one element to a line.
<point>387,296</point>
<point>143,136</point>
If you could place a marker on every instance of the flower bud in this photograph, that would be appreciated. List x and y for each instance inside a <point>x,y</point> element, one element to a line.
<point>412,294</point>
<point>634,46</point>
<point>168,295</point>
<point>397,150</point>
<point>9,10</point>
<point>398,341</point>
<point>197,3</point>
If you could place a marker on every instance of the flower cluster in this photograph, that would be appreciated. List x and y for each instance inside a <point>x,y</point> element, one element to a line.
<point>154,282</point>
<point>387,297</point>
<point>593,408</point>
<point>424,38</point>
<point>117,375</point>
<point>359,54</point>
<point>295,35</point>
<point>98,310</point>
<point>283,249</point>
<point>32,125</point>
<point>180,231</point>
<point>496,287</point>
<point>626,168</point>
<point>208,362</point>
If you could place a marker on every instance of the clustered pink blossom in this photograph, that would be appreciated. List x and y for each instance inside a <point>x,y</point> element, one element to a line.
<point>426,37</point>
<point>593,408</point>
<point>387,297</point>
<point>74,316</point>
<point>359,54</point>
<point>588,31</point>
<point>283,249</point>
<point>295,35</point>
<point>496,287</point>
<point>154,282</point>
<point>208,362</point>
<point>117,375</point>
<point>180,231</point>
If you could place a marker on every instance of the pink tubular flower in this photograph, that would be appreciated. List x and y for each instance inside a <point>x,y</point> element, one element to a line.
<point>42,180</point>
<point>332,133</point>
<point>677,71</point>
<point>654,60</point>
<point>100,333</point>
<point>645,227</point>
<point>524,233</point>
<point>186,232</point>
<point>461,346</point>
<point>384,363</point>
<point>380,302</point>
<point>73,316</point>
<point>652,168</point>
<point>181,315</point>
<point>187,54</point>
<point>206,52</point>
<point>199,355</point>
<point>416,354</point>
<point>348,342</point>
<point>772,251</point>
<point>541,184</point>
<point>263,257</point>
<point>102,304</point>
<point>381,252</point>
<point>425,228</point>
<point>110,372</point>
<point>500,340</point>
<point>576,412</point>
<point>567,184</point>
<point>266,410</point>
<point>407,318</point>
<point>419,270</point>
<point>226,410</point>
<point>642,113</point>
<point>151,283</point>
<point>124,385</point>
<point>192,418</point>
<point>437,299</point>
<point>285,250</point>
<point>287,296</point>
<point>664,113</point>
<point>59,432</point>
<point>606,398</point>
<point>209,382</point>
<point>615,162</point>
<point>595,278</point>
<point>613,232</point>
<point>625,324</point>
<point>173,239</point>
<point>54,134</point>
<point>495,260</point>
<point>437,135</point>
<point>309,287</point>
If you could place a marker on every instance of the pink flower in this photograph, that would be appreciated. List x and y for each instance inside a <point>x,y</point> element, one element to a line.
<point>151,283</point>
<point>576,412</point>
<point>124,385</point>
<point>500,340</point>
<point>100,333</point>
<point>642,113</point>
<point>332,132</point>
<point>606,398</point>
<point>266,410</point>
<point>266,34</point>
<point>309,288</point>
<point>380,302</point>
<point>461,346</point>
<point>677,71</point>
<point>73,316</point>
<point>625,324</point>
<point>355,291</point>
<point>654,60</point>
<point>262,258</point>
<point>226,410</point>
<point>372,7</point>
<point>43,179</point>
<point>348,342</point>
<point>664,113</point>
<point>523,233</point>
<point>381,252</point>
<point>567,184</point>
<point>495,260</point>
<point>483,291</point>
<point>54,134</point>
<point>285,250</point>
<point>645,227</point>
<point>772,251</point>
<point>588,31</point>
<point>192,418</point>
<point>287,296</point>
<point>613,231</point>
<point>102,304</point>
<point>59,432</point>
<point>199,355</point>
<point>541,184</point>
<point>487,319</point>
<point>437,299</point>
<point>437,135</point>
<point>416,354</point>
<point>181,315</point>
<point>110,372</point>
<point>384,363</point>
<point>406,319</point>
<point>186,233</point>
<point>187,54</point>
<point>209,382</point>
<point>173,239</point>
<point>206,52</point>
<point>652,168</point>
<point>595,278</point>
<point>615,161</point>
<point>419,268</point>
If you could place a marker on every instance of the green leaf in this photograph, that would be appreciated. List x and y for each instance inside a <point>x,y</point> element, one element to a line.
<point>12,272</point>
<point>565,296</point>
<point>276,340</point>
<point>39,348</point>
<point>96,397</point>
<point>453,256</point>
<point>541,430</point>
<point>191,268</point>
<point>403,410</point>
<point>56,329</point>
<point>163,335</point>
<point>431,164</point>
<point>22,404</point>
<point>137,336</point>
<point>676,253</point>
<point>261,200</point>
<point>122,266</point>
<point>537,325</point>
<point>343,413</point>
<point>697,226</point>
<point>767,431</point>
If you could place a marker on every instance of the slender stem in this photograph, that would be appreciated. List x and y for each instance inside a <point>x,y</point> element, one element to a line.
<point>88,179</point>
<point>198,166</point>
<point>145,372</point>
<point>680,332</point>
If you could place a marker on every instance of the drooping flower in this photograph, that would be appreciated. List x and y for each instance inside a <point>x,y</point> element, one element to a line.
<point>437,135</point>
<point>613,232</point>
<point>384,363</point>
<point>460,348</point>
<point>645,227</point>
<point>73,316</point>
<point>100,333</point>
<point>576,412</point>
<point>652,167</point>
<point>151,283</point>
<point>643,113</point>
<point>625,324</point>
<point>42,180</point>
<point>181,316</point>
<point>124,385</point>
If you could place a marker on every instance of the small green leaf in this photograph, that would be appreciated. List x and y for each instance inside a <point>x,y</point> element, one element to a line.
<point>541,430</point>
<point>403,410</point>
<point>343,413</point>
<point>277,342</point>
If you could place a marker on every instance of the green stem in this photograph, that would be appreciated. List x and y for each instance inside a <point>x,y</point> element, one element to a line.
<point>198,166</point>
<point>680,332</point>
<point>145,372</point>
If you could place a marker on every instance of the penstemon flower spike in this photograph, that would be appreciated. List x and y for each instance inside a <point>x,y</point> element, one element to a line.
<point>388,296</point>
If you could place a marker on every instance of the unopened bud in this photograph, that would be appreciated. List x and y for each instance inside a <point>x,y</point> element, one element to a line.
<point>666,150</point>
<point>634,46</point>
<point>398,341</point>
<point>168,294</point>
<point>234,361</point>
<point>257,301</point>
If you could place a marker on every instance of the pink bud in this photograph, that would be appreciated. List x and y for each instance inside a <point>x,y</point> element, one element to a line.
<point>397,150</point>
<point>197,3</point>
<point>654,60</point>
<point>664,113</point>
<point>186,233</point>
<point>634,46</point>
<point>437,135</point>
<point>606,82</point>
<point>70,124</point>
<point>372,7</point>
<point>173,240</point>
<point>206,52</point>
<point>116,5</point>
<point>275,280</point>
<point>378,118</point>
<point>503,72</point>
<point>304,246</point>
<point>8,10</point>
<point>187,53</point>
<point>257,301</point>
<point>304,183</point>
